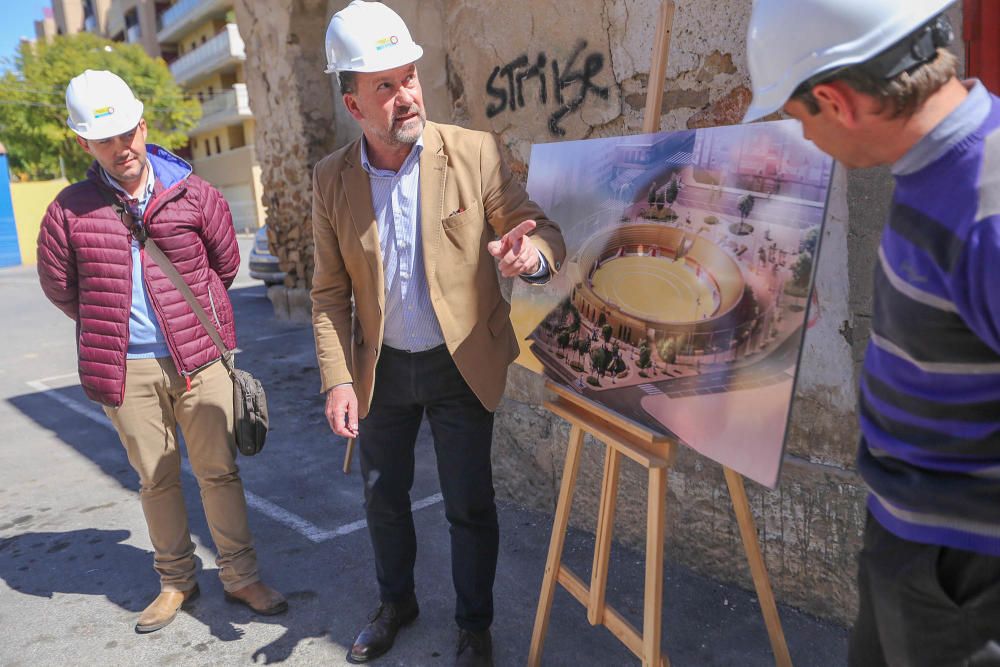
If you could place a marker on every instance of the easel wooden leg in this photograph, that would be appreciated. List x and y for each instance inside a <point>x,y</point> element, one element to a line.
<point>652,621</point>
<point>554,560</point>
<point>761,581</point>
<point>605,529</point>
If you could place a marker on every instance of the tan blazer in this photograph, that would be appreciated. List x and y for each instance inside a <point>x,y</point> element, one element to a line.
<point>460,170</point>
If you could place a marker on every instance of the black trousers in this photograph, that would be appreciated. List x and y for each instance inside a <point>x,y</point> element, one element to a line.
<point>406,386</point>
<point>922,604</point>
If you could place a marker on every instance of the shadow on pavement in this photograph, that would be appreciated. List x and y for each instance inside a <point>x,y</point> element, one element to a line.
<point>96,562</point>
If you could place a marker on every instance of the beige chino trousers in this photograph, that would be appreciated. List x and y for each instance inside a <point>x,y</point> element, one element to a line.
<point>156,403</point>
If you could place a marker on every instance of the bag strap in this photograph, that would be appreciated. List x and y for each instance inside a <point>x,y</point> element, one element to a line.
<point>172,275</point>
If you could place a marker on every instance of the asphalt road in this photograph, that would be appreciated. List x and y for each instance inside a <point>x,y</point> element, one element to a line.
<point>75,565</point>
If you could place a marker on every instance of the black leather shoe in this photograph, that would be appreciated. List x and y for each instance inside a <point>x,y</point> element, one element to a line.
<point>475,649</point>
<point>380,633</point>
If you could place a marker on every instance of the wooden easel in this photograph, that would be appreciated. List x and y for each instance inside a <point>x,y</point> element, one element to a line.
<point>655,453</point>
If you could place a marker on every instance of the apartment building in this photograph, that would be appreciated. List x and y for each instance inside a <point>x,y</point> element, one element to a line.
<point>68,17</point>
<point>200,42</point>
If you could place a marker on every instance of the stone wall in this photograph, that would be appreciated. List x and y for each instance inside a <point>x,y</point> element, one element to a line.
<point>293,104</point>
<point>537,72</point>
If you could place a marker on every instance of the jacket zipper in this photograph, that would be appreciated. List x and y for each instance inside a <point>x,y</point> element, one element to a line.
<point>175,355</point>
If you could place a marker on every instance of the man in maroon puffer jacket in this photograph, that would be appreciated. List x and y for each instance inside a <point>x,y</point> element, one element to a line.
<point>142,352</point>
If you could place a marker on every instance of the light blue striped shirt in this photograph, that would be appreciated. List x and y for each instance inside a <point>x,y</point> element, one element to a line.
<point>145,338</point>
<point>410,322</point>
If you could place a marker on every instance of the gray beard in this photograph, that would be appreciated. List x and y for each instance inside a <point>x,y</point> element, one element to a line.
<point>410,134</point>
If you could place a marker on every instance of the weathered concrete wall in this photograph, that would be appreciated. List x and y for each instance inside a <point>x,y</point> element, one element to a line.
<point>536,72</point>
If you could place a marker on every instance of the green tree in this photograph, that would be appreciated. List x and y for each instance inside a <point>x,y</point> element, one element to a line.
<point>810,241</point>
<point>668,350</point>
<point>645,357</point>
<point>606,332</point>
<point>563,340</point>
<point>600,360</point>
<point>672,191</point>
<point>745,205</point>
<point>802,271</point>
<point>33,112</point>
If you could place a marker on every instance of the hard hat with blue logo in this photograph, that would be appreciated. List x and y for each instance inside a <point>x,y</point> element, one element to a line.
<point>101,105</point>
<point>368,37</point>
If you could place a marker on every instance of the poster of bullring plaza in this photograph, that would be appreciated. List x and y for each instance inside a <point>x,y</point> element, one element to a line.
<point>683,302</point>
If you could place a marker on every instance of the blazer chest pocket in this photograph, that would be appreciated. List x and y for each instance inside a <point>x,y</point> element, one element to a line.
<point>463,235</point>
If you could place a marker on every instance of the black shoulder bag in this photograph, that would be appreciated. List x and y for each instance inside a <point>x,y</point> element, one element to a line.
<point>249,401</point>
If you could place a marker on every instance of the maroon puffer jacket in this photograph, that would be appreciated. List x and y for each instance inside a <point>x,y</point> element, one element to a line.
<point>85,266</point>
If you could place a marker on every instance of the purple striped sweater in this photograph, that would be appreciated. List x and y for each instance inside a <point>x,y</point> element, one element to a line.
<point>930,386</point>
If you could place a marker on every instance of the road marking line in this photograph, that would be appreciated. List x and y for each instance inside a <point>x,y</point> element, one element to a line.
<point>279,335</point>
<point>306,528</point>
<point>64,376</point>
<point>17,281</point>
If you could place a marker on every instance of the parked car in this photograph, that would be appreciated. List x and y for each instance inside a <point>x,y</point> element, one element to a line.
<point>263,265</point>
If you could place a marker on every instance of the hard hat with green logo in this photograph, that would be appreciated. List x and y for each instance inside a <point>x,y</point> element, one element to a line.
<point>368,37</point>
<point>101,105</point>
<point>796,42</point>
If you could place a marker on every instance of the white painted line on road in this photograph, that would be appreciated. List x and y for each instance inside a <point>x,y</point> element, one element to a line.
<point>278,335</point>
<point>306,528</point>
<point>18,281</point>
<point>349,528</point>
<point>49,379</point>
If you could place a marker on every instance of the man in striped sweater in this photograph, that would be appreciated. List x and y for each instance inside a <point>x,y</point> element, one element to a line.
<point>872,84</point>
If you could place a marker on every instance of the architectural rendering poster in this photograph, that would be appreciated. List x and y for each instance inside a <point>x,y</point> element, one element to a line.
<point>683,302</point>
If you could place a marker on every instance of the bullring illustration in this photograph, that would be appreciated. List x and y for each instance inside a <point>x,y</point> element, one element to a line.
<point>683,303</point>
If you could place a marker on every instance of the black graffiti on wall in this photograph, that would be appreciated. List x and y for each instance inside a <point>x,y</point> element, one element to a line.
<point>570,83</point>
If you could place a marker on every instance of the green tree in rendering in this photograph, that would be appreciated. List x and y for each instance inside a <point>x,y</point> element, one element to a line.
<point>601,360</point>
<point>802,270</point>
<point>672,191</point>
<point>645,357</point>
<point>563,340</point>
<point>745,205</point>
<point>33,113</point>
<point>606,332</point>
<point>810,241</point>
<point>667,349</point>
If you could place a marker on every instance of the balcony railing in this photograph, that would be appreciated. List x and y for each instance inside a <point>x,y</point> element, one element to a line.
<point>185,15</point>
<point>229,107</point>
<point>224,49</point>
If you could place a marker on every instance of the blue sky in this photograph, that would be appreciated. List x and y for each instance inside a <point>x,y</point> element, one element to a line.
<point>18,21</point>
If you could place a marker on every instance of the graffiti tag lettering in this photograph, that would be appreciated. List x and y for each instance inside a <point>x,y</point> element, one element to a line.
<point>521,69</point>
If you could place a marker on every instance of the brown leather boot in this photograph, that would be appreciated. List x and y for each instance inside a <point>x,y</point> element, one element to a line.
<point>163,610</point>
<point>260,597</point>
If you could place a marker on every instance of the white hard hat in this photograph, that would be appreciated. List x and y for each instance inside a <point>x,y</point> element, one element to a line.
<point>101,105</point>
<point>368,37</point>
<point>791,41</point>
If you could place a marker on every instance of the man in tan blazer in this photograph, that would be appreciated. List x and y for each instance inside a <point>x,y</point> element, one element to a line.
<point>411,224</point>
